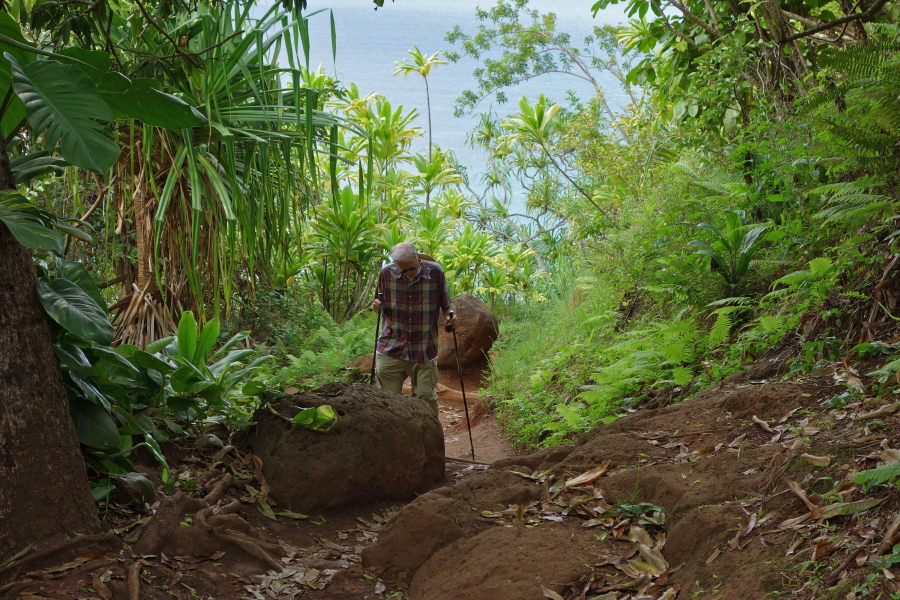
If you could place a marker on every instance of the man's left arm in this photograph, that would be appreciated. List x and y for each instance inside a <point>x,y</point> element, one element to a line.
<point>444,302</point>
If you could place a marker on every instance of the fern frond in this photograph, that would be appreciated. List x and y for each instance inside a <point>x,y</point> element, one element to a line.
<point>770,323</point>
<point>720,330</point>
<point>572,417</point>
<point>731,301</point>
<point>860,138</point>
<point>856,208</point>
<point>677,352</point>
<point>682,375</point>
<point>878,475</point>
<point>859,60</point>
<point>820,266</point>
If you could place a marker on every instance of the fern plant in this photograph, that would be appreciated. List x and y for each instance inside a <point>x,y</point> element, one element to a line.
<point>853,201</point>
<point>867,78</point>
<point>878,476</point>
<point>813,283</point>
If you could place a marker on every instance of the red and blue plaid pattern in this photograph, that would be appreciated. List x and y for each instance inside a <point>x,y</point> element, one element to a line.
<point>412,310</point>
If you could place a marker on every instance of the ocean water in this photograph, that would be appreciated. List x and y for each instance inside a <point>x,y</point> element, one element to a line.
<point>370,42</point>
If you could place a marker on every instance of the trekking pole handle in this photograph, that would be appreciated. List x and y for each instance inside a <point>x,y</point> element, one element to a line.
<point>449,314</point>
<point>381,299</point>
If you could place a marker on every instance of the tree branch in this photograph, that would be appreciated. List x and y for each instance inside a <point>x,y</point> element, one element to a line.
<point>166,35</point>
<point>831,24</point>
<point>687,13</point>
<point>668,26</point>
<point>808,21</point>
<point>712,13</point>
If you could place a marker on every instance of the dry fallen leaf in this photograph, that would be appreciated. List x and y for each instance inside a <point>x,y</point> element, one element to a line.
<point>881,412</point>
<point>713,556</point>
<point>737,441</point>
<point>816,461</point>
<point>794,545</point>
<point>747,525</point>
<point>889,454</point>
<point>548,593</point>
<point>789,415</point>
<point>765,426</point>
<point>588,477</point>
<point>798,491</point>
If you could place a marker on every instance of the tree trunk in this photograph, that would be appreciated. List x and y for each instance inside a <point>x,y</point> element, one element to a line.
<point>44,493</point>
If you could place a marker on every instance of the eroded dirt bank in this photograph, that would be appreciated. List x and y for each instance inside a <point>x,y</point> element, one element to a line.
<point>740,492</point>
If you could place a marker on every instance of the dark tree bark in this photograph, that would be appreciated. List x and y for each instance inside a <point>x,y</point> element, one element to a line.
<point>44,493</point>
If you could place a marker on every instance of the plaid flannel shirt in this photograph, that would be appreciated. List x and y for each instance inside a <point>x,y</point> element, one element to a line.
<point>412,310</point>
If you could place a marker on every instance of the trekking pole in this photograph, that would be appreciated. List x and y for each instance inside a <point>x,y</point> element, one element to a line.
<point>377,335</point>
<point>462,386</point>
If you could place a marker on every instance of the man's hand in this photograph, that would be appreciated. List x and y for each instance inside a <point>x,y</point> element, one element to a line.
<point>451,321</point>
<point>376,305</point>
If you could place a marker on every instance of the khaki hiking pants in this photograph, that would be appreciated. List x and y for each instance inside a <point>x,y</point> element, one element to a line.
<point>390,373</point>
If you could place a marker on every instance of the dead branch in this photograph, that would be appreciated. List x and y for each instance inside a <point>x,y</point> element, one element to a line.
<point>869,12</point>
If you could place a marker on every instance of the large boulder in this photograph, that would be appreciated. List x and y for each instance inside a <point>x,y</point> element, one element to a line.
<point>383,447</point>
<point>476,330</point>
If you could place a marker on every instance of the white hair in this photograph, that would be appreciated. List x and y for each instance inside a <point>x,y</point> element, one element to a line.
<point>403,251</point>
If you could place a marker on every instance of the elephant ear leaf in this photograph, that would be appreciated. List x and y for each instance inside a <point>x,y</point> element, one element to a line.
<point>77,274</point>
<point>33,165</point>
<point>61,101</point>
<point>94,426</point>
<point>74,310</point>
<point>11,32</point>
<point>26,224</point>
<point>140,99</point>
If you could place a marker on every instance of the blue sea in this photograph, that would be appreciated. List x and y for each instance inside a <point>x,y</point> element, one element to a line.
<point>370,42</point>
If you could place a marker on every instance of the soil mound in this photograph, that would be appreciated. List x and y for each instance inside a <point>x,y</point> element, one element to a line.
<point>384,446</point>
<point>657,503</point>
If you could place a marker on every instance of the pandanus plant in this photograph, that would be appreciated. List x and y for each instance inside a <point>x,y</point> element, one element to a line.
<point>221,202</point>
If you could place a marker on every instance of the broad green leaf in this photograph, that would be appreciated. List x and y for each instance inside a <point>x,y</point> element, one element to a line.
<point>94,426</point>
<point>100,492</point>
<point>207,341</point>
<point>316,418</point>
<point>166,475</point>
<point>150,361</point>
<point>187,336</point>
<point>848,508</point>
<point>91,391</point>
<point>15,112</point>
<point>25,223</point>
<point>77,274</point>
<point>94,63</point>
<point>62,103</point>
<point>253,388</point>
<point>159,344</point>
<point>72,357</point>
<point>141,99</point>
<point>181,404</point>
<point>28,167</point>
<point>71,307</point>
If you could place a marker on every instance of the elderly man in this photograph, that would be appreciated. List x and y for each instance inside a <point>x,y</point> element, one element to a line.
<point>415,293</point>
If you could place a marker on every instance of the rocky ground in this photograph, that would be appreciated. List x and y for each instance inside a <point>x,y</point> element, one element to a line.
<point>744,491</point>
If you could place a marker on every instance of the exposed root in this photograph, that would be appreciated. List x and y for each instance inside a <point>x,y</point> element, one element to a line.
<point>68,550</point>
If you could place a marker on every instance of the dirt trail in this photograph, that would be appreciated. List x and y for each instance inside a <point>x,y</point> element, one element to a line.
<point>489,444</point>
<point>722,496</point>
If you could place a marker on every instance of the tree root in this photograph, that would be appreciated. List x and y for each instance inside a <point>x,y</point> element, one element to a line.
<point>63,552</point>
<point>243,541</point>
